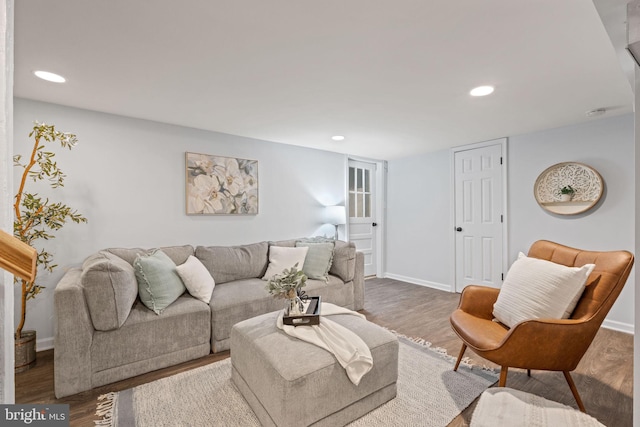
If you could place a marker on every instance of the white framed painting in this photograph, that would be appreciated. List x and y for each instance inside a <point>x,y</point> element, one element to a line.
<point>217,185</point>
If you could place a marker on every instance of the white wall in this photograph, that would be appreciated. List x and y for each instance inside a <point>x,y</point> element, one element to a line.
<point>7,392</point>
<point>419,197</point>
<point>636,338</point>
<point>418,220</point>
<point>127,176</point>
<point>608,146</point>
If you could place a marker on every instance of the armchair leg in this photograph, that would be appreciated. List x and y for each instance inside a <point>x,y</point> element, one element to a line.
<point>503,376</point>
<point>464,347</point>
<point>528,372</point>
<point>574,390</point>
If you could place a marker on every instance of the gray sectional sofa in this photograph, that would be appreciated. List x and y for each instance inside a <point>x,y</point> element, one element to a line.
<point>105,334</point>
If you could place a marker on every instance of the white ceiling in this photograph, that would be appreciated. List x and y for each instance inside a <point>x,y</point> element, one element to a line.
<point>393,76</point>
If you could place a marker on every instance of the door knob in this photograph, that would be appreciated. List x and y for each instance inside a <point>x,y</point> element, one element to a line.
<point>459,229</point>
<point>375,224</point>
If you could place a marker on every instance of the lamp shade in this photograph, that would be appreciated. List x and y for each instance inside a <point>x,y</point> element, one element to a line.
<point>335,215</point>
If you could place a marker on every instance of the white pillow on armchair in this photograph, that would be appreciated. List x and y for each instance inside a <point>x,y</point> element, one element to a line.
<point>537,289</point>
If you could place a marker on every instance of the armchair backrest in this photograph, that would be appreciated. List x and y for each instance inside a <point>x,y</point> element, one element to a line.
<point>603,285</point>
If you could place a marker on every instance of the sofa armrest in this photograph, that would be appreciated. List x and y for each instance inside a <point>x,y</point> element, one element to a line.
<point>358,283</point>
<point>74,332</point>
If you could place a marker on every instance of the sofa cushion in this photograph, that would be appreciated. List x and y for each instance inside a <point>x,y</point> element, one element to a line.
<point>234,302</point>
<point>158,281</point>
<point>290,243</point>
<point>282,258</point>
<point>230,305</point>
<point>178,254</point>
<point>343,263</point>
<point>197,279</point>
<point>344,260</point>
<point>228,263</point>
<point>334,290</point>
<point>110,288</point>
<point>538,289</point>
<point>318,260</point>
<point>146,336</point>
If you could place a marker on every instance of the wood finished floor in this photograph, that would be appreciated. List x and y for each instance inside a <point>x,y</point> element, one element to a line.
<point>604,377</point>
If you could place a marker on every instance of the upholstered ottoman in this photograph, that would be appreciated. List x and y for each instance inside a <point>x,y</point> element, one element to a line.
<point>289,382</point>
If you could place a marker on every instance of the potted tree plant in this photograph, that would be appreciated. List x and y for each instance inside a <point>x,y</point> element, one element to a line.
<point>38,218</point>
<point>286,285</point>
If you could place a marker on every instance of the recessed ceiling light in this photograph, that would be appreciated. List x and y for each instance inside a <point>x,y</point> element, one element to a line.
<point>50,77</point>
<point>481,91</point>
<point>337,137</point>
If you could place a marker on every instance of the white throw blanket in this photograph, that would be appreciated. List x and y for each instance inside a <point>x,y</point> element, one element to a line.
<point>352,353</point>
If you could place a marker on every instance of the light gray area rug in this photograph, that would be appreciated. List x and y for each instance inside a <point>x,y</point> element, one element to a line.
<point>430,393</point>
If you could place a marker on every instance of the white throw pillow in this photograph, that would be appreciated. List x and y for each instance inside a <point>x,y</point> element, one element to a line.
<point>197,279</point>
<point>282,258</point>
<point>537,289</point>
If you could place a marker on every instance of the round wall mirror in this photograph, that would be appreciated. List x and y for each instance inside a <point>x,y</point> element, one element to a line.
<point>568,188</point>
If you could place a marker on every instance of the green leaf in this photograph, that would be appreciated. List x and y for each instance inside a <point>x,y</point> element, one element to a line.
<point>39,218</point>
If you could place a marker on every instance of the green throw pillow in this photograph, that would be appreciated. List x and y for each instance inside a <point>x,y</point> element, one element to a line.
<point>158,281</point>
<point>318,261</point>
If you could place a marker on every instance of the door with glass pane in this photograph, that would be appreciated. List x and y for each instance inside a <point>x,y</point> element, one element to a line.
<point>362,221</point>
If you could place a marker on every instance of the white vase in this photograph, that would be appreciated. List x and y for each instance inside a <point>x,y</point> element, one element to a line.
<point>566,197</point>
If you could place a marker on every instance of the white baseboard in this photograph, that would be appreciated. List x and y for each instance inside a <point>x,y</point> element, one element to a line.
<point>44,344</point>
<point>618,326</point>
<point>426,283</point>
<point>609,324</point>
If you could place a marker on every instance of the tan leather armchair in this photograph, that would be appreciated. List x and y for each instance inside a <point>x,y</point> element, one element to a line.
<point>543,344</point>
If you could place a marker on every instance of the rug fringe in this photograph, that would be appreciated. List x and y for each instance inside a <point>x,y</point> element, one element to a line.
<point>466,361</point>
<point>104,409</point>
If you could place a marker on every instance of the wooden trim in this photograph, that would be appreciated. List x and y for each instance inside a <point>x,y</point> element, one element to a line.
<point>17,257</point>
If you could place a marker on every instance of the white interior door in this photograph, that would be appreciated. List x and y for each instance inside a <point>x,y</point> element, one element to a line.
<point>362,215</point>
<point>479,217</point>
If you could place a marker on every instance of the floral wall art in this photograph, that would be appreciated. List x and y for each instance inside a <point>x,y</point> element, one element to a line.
<point>221,185</point>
